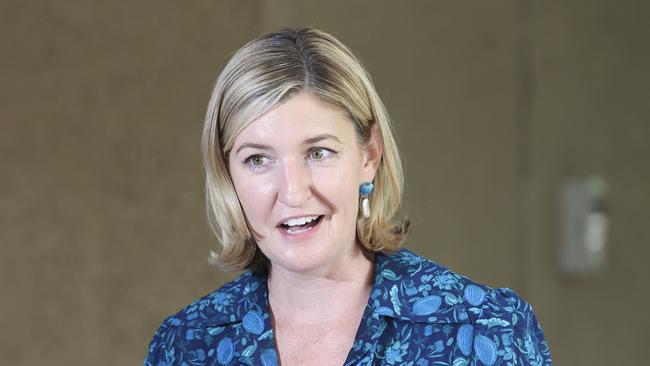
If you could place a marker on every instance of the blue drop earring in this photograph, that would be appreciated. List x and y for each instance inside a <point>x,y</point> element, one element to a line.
<point>365,189</point>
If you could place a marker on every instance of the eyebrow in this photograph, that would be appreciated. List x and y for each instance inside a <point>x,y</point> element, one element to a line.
<point>311,140</point>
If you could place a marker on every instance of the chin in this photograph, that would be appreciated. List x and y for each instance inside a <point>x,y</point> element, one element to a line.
<point>302,258</point>
<point>299,260</point>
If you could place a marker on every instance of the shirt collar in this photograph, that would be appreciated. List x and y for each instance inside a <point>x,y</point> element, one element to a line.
<point>411,288</point>
<point>406,287</point>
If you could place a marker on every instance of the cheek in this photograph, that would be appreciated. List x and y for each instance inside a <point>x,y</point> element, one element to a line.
<point>339,186</point>
<point>255,195</point>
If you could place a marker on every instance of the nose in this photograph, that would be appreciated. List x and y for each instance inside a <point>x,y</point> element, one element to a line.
<point>295,185</point>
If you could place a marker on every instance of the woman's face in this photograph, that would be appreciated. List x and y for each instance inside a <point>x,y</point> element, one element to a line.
<point>297,172</point>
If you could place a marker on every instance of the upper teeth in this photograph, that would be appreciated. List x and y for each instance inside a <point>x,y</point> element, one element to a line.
<point>300,220</point>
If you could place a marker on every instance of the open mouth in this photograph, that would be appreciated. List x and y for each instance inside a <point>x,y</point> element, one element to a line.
<point>297,229</point>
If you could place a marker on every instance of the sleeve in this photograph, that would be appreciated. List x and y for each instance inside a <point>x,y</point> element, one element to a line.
<point>157,354</point>
<point>521,334</point>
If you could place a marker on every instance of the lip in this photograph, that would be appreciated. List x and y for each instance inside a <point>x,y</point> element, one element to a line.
<point>294,217</point>
<point>304,235</point>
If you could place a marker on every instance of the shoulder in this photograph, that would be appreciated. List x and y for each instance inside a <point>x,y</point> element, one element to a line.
<point>421,276</point>
<point>209,330</point>
<point>416,277</point>
<point>218,307</point>
<point>506,325</point>
<point>197,327</point>
<point>491,322</point>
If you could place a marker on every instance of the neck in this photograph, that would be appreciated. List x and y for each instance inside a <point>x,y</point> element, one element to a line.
<point>324,296</point>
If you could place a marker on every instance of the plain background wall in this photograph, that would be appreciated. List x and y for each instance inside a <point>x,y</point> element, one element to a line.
<point>589,113</point>
<point>495,105</point>
<point>103,229</point>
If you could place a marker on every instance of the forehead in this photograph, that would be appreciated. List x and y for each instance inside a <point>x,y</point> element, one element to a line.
<point>299,117</point>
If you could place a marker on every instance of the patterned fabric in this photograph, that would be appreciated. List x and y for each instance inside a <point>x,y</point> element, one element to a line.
<point>419,313</point>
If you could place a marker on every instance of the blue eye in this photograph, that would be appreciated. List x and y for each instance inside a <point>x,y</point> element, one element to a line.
<point>256,162</point>
<point>320,153</point>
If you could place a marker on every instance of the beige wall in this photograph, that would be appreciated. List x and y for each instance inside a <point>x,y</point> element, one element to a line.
<point>590,115</point>
<point>103,231</point>
<point>101,104</point>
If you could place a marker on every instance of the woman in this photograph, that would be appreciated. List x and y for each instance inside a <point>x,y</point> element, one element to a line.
<point>303,184</point>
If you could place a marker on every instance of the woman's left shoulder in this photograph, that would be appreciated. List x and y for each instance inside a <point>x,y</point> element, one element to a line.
<point>417,271</point>
<point>499,321</point>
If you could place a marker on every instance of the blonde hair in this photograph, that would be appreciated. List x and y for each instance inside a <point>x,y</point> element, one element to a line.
<point>259,76</point>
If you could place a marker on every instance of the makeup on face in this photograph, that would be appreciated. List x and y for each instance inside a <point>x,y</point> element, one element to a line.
<point>297,171</point>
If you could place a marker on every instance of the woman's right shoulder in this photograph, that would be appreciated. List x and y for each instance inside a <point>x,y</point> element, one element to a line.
<point>216,307</point>
<point>209,315</point>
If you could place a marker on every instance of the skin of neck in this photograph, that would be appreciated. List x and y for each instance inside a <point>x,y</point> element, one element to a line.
<point>324,296</point>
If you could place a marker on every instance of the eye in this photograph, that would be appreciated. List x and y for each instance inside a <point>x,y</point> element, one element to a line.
<point>320,153</point>
<point>256,162</point>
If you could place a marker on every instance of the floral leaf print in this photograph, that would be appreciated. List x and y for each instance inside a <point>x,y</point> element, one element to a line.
<point>253,322</point>
<point>474,295</point>
<point>388,274</point>
<point>460,362</point>
<point>465,338</point>
<point>383,310</point>
<point>485,349</point>
<point>450,299</point>
<point>268,334</point>
<point>446,281</point>
<point>225,351</point>
<point>269,357</point>
<point>395,352</point>
<point>215,330</point>
<point>249,350</point>
<point>493,322</point>
<point>427,305</point>
<point>397,305</point>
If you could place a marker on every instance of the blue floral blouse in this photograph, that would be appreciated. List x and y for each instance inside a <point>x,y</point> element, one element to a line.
<point>419,313</point>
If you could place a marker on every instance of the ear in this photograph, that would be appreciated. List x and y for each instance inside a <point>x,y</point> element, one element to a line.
<point>372,154</point>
